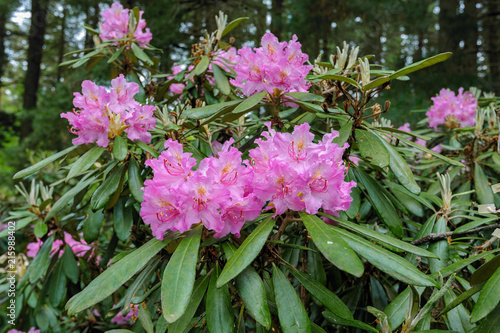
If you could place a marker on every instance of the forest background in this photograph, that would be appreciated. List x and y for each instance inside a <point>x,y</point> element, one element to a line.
<point>35,35</point>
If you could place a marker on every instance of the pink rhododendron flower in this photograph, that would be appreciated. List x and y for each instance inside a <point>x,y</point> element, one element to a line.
<point>127,319</point>
<point>32,330</point>
<point>457,109</point>
<point>273,66</point>
<point>79,248</point>
<point>115,25</point>
<point>227,60</point>
<point>102,115</point>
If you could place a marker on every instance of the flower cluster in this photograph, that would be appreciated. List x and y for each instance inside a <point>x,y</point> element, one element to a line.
<point>102,115</point>
<point>116,25</point>
<point>452,110</point>
<point>218,194</point>
<point>32,330</point>
<point>287,170</point>
<point>79,248</point>
<point>292,172</point>
<point>224,59</point>
<point>273,66</point>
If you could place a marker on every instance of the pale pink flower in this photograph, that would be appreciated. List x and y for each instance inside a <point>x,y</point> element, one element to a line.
<point>460,109</point>
<point>127,319</point>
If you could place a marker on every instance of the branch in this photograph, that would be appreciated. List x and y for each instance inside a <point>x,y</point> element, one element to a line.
<point>443,235</point>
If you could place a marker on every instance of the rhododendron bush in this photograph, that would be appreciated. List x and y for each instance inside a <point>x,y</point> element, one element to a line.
<point>257,190</point>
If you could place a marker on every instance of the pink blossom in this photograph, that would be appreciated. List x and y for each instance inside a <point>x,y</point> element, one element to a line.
<point>273,66</point>
<point>79,248</point>
<point>115,25</point>
<point>227,60</point>
<point>176,88</point>
<point>127,319</point>
<point>32,330</point>
<point>102,115</point>
<point>448,107</point>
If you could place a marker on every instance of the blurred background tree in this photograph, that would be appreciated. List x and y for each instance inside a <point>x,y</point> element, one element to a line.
<point>35,34</point>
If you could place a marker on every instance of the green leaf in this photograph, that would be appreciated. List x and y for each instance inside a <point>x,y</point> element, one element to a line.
<point>331,244</point>
<point>41,262</point>
<point>34,168</point>
<point>103,193</point>
<point>488,298</point>
<point>250,102</point>
<point>344,134</point>
<point>325,296</point>
<point>209,110</point>
<point>397,309</point>
<point>85,161</point>
<point>409,202</point>
<point>490,324</point>
<point>457,318</point>
<point>456,266</point>
<point>135,182</point>
<point>221,80</point>
<point>140,54</point>
<point>145,318</point>
<point>308,106</point>
<point>40,229</point>
<point>383,238</point>
<point>463,297</point>
<point>115,276</point>
<point>251,290</point>
<point>372,148</point>
<point>247,252</point>
<point>375,83</point>
<point>179,276</point>
<point>483,190</point>
<point>233,24</point>
<point>420,65</point>
<point>335,77</point>
<point>116,54</point>
<point>485,271</point>
<point>305,96</point>
<point>401,169</point>
<point>291,313</point>
<point>202,66</point>
<point>69,264</point>
<point>220,317</point>
<point>440,248</point>
<point>334,319</point>
<point>92,225</point>
<point>122,220</point>
<point>386,261</point>
<point>57,284</point>
<point>199,289</point>
<point>382,205</point>
<point>120,148</point>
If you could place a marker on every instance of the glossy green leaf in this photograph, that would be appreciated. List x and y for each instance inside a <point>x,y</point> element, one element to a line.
<point>34,168</point>
<point>308,106</point>
<point>490,324</point>
<point>325,296</point>
<point>147,148</point>
<point>145,319</point>
<point>488,298</point>
<point>57,284</point>
<point>209,110</point>
<point>41,262</point>
<point>485,271</point>
<point>202,66</point>
<point>140,54</point>
<point>247,252</point>
<point>483,189</point>
<point>233,24</point>
<point>221,80</point>
<point>122,219</point>
<point>199,289</point>
<point>291,313</point>
<point>120,148</point>
<point>135,182</point>
<point>179,276</point>
<point>220,317</point>
<point>462,298</point>
<point>401,169</point>
<point>250,102</point>
<point>382,205</point>
<point>116,54</point>
<point>372,148</point>
<point>457,318</point>
<point>104,192</point>
<point>396,310</point>
<point>456,266</point>
<point>386,261</point>
<point>344,134</point>
<point>334,319</point>
<point>413,206</point>
<point>335,77</point>
<point>85,161</point>
<point>40,229</point>
<point>331,244</point>
<point>420,65</point>
<point>251,290</point>
<point>383,238</point>
<point>305,96</point>
<point>439,248</point>
<point>315,267</point>
<point>115,276</point>
<point>92,225</point>
<point>70,265</point>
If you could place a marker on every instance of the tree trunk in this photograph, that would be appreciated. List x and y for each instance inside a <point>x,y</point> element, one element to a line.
<point>447,35</point>
<point>93,21</point>
<point>470,40</point>
<point>62,41</point>
<point>277,18</point>
<point>34,59</point>
<point>492,35</point>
